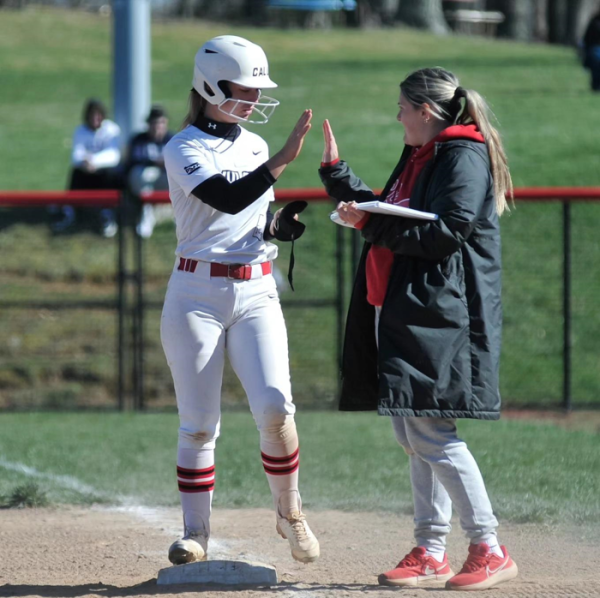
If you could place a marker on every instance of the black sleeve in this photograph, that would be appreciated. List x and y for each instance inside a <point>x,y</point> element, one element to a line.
<point>343,185</point>
<point>232,198</point>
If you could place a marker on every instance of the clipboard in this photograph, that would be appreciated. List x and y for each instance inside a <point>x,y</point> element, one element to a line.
<point>379,207</point>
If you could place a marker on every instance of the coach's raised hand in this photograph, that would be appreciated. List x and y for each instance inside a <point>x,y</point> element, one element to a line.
<point>330,152</point>
<point>291,150</point>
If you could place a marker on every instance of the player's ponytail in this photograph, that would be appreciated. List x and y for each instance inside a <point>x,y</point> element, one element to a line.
<point>440,89</point>
<point>196,106</point>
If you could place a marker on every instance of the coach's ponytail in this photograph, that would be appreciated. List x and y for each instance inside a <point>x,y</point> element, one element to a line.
<point>477,111</point>
<point>449,102</point>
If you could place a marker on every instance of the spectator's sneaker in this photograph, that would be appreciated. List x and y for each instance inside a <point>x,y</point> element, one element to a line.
<point>63,219</point>
<point>108,225</point>
<point>109,230</point>
<point>304,544</point>
<point>147,222</point>
<point>417,568</point>
<point>189,549</point>
<point>483,569</point>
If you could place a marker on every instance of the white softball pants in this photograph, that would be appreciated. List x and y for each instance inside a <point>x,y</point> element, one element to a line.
<point>202,318</point>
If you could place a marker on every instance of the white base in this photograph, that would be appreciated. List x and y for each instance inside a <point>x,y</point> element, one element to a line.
<point>219,572</point>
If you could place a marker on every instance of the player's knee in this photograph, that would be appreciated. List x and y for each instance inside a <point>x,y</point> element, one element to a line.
<point>197,438</point>
<point>277,427</point>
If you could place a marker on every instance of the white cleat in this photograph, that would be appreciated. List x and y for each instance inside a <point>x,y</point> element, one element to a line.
<point>189,549</point>
<point>304,544</point>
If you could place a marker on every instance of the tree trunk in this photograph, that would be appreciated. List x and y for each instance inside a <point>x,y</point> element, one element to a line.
<point>424,14</point>
<point>579,13</point>
<point>540,24</point>
<point>370,13</point>
<point>557,21</point>
<point>519,18</point>
<point>255,12</point>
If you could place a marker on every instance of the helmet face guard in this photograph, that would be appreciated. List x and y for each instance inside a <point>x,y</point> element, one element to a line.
<point>236,60</point>
<point>262,110</point>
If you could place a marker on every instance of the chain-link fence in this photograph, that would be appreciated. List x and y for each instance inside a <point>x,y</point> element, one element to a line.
<point>80,314</point>
<point>313,313</point>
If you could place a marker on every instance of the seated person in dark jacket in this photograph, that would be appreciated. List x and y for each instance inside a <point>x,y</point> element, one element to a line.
<point>423,329</point>
<point>591,49</point>
<point>146,166</point>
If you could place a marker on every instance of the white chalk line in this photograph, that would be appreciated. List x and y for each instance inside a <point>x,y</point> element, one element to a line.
<point>157,517</point>
<point>64,481</point>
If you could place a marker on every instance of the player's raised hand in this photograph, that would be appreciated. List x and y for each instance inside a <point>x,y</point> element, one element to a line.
<point>292,147</point>
<point>330,152</point>
<point>291,150</point>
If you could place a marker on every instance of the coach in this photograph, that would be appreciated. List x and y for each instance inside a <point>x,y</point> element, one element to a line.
<point>423,334</point>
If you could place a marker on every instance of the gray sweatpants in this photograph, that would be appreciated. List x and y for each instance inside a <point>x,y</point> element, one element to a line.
<point>443,472</point>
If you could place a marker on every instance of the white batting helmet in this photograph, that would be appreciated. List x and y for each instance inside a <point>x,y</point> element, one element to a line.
<point>235,59</point>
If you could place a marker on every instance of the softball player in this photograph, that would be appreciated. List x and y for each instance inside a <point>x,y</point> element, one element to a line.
<point>222,295</point>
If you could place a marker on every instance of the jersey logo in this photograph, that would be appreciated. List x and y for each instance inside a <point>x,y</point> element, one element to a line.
<point>192,168</point>
<point>256,152</point>
<point>234,175</point>
<point>212,125</point>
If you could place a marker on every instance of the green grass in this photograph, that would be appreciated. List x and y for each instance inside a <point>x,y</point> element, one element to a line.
<point>534,473</point>
<point>27,495</point>
<point>539,94</point>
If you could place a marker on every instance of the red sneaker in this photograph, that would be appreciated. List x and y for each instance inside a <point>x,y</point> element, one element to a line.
<point>483,569</point>
<point>417,568</point>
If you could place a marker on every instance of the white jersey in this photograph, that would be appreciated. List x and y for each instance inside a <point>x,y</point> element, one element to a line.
<point>203,233</point>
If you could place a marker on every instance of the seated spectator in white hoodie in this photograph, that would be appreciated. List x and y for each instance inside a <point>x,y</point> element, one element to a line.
<point>95,159</point>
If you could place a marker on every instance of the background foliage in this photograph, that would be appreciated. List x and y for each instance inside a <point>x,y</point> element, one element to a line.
<point>539,94</point>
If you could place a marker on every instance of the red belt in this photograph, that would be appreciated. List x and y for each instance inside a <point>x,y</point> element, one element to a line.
<point>232,271</point>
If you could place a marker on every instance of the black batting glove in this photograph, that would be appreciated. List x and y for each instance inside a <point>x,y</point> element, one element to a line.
<point>287,228</point>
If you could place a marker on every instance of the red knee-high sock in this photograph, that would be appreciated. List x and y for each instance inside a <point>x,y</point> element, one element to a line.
<point>196,481</point>
<point>282,468</point>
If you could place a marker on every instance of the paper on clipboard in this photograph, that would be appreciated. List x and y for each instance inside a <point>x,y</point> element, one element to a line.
<point>378,207</point>
<point>335,217</point>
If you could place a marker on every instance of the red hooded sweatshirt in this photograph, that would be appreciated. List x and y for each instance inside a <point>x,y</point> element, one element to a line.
<point>380,259</point>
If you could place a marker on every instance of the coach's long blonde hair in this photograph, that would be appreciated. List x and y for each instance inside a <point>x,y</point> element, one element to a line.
<point>196,106</point>
<point>440,89</point>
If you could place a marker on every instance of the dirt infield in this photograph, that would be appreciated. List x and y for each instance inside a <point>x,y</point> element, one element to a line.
<point>117,552</point>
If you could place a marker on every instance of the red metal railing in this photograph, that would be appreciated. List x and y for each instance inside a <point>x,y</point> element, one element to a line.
<point>111,197</point>
<point>90,199</point>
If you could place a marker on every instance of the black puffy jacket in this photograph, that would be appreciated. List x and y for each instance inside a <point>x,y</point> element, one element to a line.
<point>440,325</point>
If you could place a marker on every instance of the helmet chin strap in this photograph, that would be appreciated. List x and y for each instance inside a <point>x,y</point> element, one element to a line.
<point>264,108</point>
